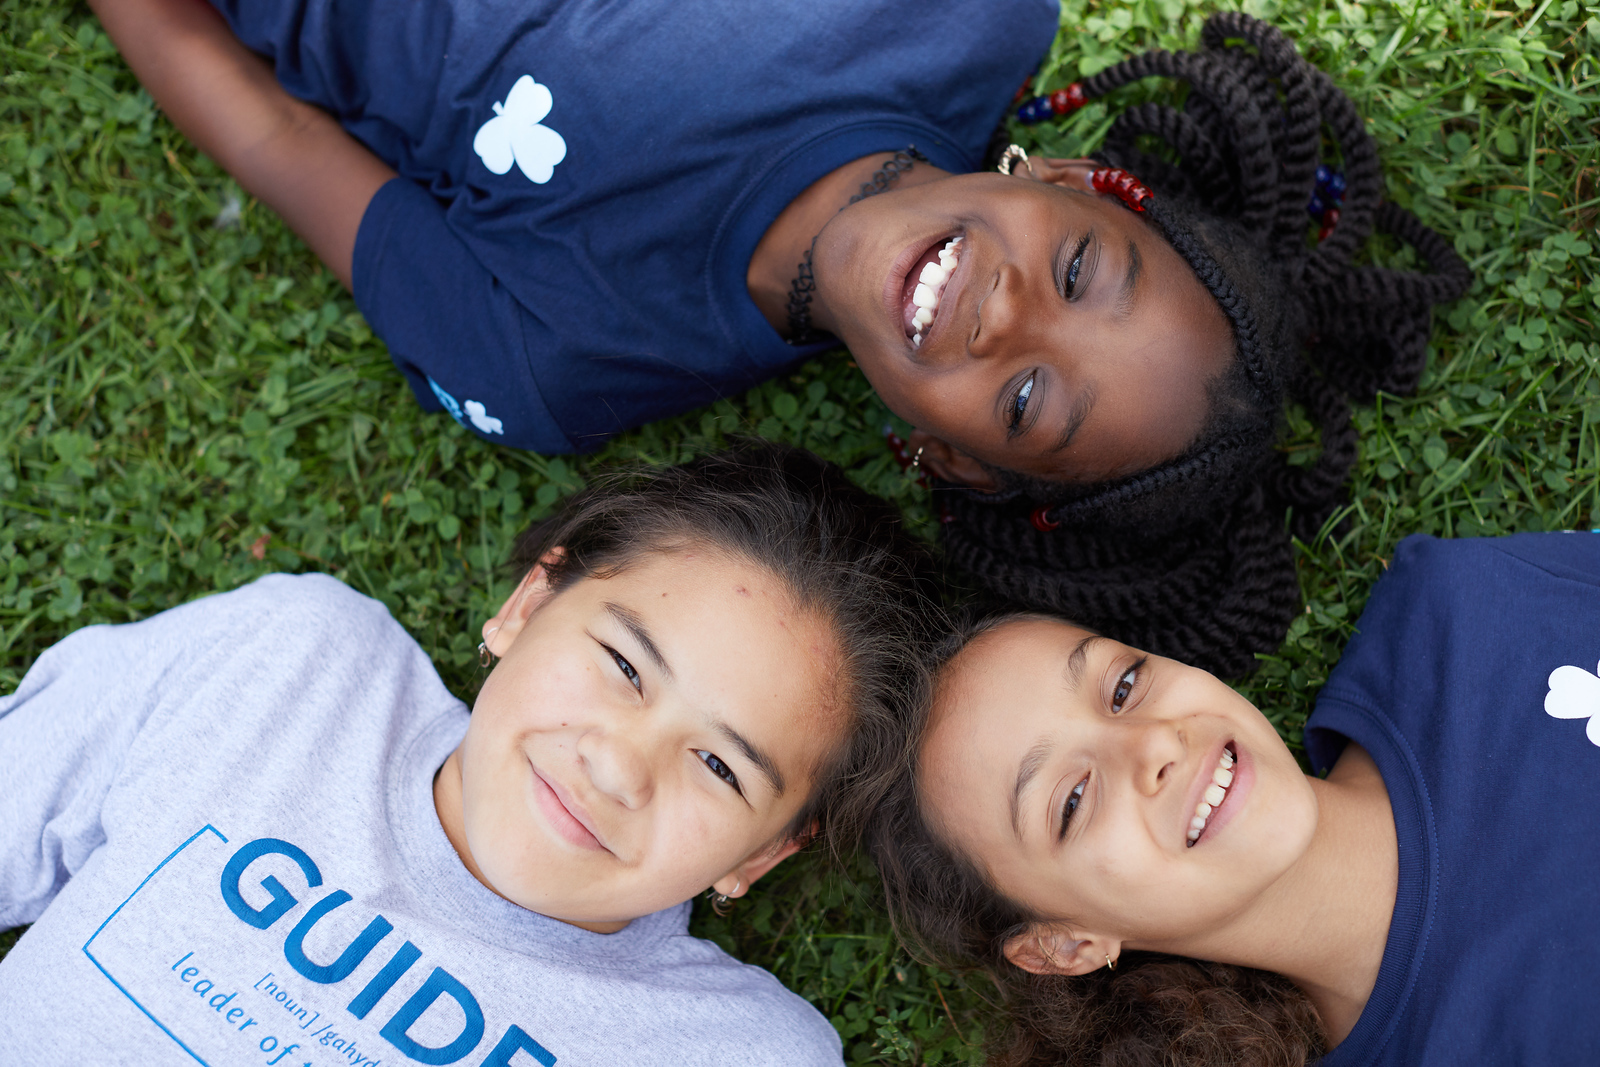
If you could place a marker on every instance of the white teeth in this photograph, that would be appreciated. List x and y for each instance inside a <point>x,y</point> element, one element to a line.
<point>930,287</point>
<point>1212,798</point>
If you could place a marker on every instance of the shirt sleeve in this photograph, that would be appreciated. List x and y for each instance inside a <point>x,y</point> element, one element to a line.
<point>63,736</point>
<point>457,334</point>
<point>1440,604</point>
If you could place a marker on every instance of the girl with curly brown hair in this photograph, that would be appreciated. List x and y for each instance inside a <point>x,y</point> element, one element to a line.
<point>1131,852</point>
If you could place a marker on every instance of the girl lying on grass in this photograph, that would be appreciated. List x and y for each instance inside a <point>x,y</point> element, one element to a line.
<point>567,219</point>
<point>258,826</point>
<point>1132,853</point>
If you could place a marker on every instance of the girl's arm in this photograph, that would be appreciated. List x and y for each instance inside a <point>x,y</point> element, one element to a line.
<point>292,156</point>
<point>63,736</point>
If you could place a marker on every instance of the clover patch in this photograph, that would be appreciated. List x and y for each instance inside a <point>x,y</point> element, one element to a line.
<point>1575,694</point>
<point>516,134</point>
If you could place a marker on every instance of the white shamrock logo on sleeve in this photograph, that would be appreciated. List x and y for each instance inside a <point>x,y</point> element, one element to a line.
<point>1575,694</point>
<point>482,419</point>
<point>515,135</point>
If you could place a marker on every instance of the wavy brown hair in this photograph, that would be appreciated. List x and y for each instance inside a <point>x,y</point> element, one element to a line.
<point>1153,1011</point>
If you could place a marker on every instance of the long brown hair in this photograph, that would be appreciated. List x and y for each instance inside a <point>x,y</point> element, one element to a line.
<point>1152,1011</point>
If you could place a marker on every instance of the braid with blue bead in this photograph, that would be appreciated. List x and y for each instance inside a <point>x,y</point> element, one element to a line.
<point>1193,558</point>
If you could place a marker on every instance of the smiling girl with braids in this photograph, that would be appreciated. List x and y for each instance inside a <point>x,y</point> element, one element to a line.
<point>1185,551</point>
<point>1095,356</point>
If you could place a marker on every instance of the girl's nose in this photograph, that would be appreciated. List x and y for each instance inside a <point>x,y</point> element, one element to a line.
<point>619,766</point>
<point>1001,314</point>
<point>1156,752</point>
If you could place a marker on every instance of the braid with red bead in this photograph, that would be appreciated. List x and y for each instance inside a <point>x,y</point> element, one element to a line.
<point>1192,558</point>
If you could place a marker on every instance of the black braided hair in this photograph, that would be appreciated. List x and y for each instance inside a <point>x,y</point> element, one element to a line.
<point>1192,558</point>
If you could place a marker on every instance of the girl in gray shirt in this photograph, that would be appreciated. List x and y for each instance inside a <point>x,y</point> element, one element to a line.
<point>257,829</point>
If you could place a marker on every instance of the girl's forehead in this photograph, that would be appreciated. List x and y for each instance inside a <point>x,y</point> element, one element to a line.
<point>729,613</point>
<point>1005,683</point>
<point>735,640</point>
<point>1027,645</point>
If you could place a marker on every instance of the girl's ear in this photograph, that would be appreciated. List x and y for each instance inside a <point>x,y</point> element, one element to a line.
<point>1068,173</point>
<point>737,882</point>
<point>948,463</point>
<point>1049,949</point>
<point>533,590</point>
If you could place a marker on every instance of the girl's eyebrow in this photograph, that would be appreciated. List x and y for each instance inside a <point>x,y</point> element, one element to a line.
<point>1027,770</point>
<point>1074,422</point>
<point>1076,661</point>
<point>763,762</point>
<point>1129,280</point>
<point>634,624</point>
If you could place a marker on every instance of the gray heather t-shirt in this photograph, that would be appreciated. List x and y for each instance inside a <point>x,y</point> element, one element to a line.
<point>220,822</point>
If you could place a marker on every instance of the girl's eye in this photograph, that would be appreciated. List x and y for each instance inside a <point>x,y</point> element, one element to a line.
<point>626,668</point>
<point>1070,807</point>
<point>720,769</point>
<point>1019,403</point>
<point>1125,686</point>
<point>1069,278</point>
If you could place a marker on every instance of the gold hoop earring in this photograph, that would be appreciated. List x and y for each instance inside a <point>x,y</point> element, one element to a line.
<point>1111,964</point>
<point>485,657</point>
<point>1013,155</point>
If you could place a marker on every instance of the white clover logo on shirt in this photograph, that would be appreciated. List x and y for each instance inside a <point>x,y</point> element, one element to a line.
<point>481,418</point>
<point>516,134</point>
<point>1575,694</point>
<point>471,411</point>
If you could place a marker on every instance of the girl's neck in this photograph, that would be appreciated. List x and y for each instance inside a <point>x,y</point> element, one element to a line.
<point>1324,925</point>
<point>781,249</point>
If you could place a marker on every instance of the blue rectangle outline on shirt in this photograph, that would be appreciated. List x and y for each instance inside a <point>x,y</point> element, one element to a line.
<point>113,915</point>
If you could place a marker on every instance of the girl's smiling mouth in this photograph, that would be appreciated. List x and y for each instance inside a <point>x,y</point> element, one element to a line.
<point>565,816</point>
<point>920,282</point>
<point>1220,795</point>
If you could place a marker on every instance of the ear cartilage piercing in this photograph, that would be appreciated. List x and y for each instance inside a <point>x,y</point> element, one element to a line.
<point>1013,155</point>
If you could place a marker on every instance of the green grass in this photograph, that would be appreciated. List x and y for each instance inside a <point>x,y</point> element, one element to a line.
<point>185,406</point>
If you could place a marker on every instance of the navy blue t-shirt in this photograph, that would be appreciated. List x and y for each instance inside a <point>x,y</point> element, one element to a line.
<point>583,182</point>
<point>1471,681</point>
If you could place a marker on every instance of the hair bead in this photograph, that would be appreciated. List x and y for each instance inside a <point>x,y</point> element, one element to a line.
<point>1123,186</point>
<point>1036,109</point>
<point>1066,101</point>
<point>1042,522</point>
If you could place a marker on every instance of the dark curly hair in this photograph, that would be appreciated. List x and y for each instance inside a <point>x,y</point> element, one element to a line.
<point>1154,1010</point>
<point>1192,558</point>
<point>842,552</point>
